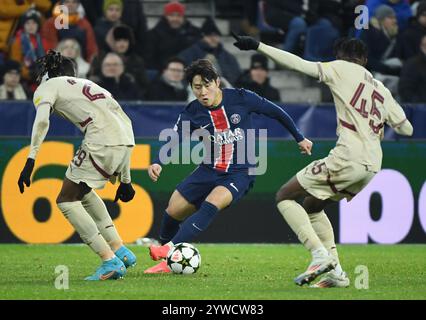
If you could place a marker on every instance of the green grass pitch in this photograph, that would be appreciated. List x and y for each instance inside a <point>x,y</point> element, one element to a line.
<point>228,271</point>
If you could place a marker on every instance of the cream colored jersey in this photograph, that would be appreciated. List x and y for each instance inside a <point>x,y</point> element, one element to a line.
<point>89,107</point>
<point>363,106</point>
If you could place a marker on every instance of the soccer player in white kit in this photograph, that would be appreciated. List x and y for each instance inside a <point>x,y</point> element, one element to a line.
<point>103,156</point>
<point>363,106</point>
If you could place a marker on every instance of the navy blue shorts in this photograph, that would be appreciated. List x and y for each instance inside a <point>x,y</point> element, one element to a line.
<point>197,186</point>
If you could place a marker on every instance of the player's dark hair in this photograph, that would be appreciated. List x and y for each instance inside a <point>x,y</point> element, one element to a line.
<point>55,65</point>
<point>351,49</point>
<point>203,68</point>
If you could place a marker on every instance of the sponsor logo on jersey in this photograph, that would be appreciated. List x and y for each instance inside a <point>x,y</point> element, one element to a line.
<point>227,137</point>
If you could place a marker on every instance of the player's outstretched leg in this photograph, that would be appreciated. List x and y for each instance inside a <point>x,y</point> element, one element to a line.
<point>69,202</point>
<point>297,218</point>
<point>324,230</point>
<point>95,206</point>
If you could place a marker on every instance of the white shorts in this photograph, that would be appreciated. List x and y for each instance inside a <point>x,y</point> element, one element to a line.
<point>95,164</point>
<point>333,178</point>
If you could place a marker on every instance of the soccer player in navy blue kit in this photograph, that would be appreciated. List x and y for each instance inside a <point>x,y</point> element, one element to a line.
<point>221,180</point>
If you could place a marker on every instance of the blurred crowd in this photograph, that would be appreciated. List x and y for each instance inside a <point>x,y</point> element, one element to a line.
<point>112,45</point>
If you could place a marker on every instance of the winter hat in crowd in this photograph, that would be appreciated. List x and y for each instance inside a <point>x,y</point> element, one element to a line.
<point>123,32</point>
<point>421,8</point>
<point>259,61</point>
<point>209,28</point>
<point>11,66</point>
<point>174,7</point>
<point>383,11</point>
<point>108,3</point>
<point>32,15</point>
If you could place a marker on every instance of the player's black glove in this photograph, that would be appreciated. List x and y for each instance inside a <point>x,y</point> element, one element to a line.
<point>125,192</point>
<point>245,42</point>
<point>25,176</point>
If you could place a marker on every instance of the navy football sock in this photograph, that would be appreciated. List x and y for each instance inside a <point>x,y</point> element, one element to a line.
<point>169,227</point>
<point>196,223</point>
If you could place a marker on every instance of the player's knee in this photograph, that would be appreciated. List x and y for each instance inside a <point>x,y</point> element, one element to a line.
<point>281,195</point>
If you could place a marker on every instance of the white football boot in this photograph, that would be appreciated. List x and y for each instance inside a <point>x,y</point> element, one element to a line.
<point>333,279</point>
<point>321,263</point>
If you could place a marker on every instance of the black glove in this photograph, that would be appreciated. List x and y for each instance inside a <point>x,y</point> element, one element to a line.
<point>25,176</point>
<point>125,192</point>
<point>245,43</point>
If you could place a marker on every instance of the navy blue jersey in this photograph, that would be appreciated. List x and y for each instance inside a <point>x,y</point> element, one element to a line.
<point>228,123</point>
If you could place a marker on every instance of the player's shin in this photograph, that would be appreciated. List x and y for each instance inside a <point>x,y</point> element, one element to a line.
<point>324,231</point>
<point>96,208</point>
<point>86,228</point>
<point>298,220</point>
<point>169,228</point>
<point>196,223</point>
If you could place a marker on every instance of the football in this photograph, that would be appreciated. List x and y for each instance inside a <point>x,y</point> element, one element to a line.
<point>184,258</point>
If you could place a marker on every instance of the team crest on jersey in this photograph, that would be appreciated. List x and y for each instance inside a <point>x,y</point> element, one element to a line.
<point>235,118</point>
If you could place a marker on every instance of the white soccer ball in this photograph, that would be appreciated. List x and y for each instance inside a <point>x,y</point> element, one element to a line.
<point>184,258</point>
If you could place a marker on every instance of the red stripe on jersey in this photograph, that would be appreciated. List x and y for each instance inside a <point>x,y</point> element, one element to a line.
<point>221,124</point>
<point>347,125</point>
<point>357,94</point>
<point>85,122</point>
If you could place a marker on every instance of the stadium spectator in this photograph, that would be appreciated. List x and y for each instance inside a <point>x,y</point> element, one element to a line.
<point>170,85</point>
<point>211,48</point>
<point>10,11</point>
<point>401,8</point>
<point>256,79</point>
<point>70,48</point>
<point>113,10</point>
<point>292,17</point>
<point>79,28</point>
<point>409,41</point>
<point>12,89</point>
<point>93,10</point>
<point>123,44</point>
<point>121,85</point>
<point>380,39</point>
<point>134,17</point>
<point>28,46</point>
<point>413,77</point>
<point>172,34</point>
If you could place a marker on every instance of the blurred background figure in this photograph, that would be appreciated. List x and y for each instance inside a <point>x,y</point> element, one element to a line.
<point>120,84</point>
<point>10,12</point>
<point>409,42</point>
<point>412,83</point>
<point>28,46</point>
<point>210,47</point>
<point>11,88</point>
<point>172,34</point>
<point>113,10</point>
<point>380,39</point>
<point>79,28</point>
<point>256,79</point>
<point>123,43</point>
<point>70,48</point>
<point>170,85</point>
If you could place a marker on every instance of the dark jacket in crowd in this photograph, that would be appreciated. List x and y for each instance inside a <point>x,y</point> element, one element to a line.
<point>159,90</point>
<point>101,29</point>
<point>377,43</point>
<point>124,89</point>
<point>409,41</point>
<point>134,16</point>
<point>264,90</point>
<point>164,42</point>
<point>412,82</point>
<point>228,64</point>
<point>279,13</point>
